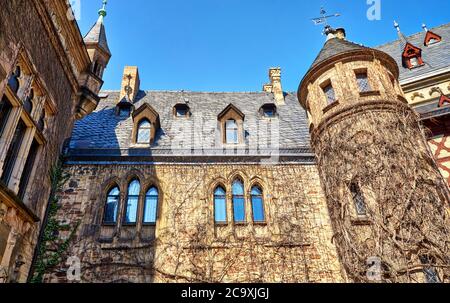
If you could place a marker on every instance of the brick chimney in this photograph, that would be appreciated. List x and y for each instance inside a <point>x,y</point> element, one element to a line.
<point>275,85</point>
<point>130,83</point>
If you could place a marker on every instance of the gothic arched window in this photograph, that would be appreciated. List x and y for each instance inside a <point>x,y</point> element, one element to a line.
<point>238,201</point>
<point>220,205</point>
<point>144,132</point>
<point>28,103</point>
<point>13,81</point>
<point>131,207</point>
<point>257,204</point>
<point>112,206</point>
<point>151,206</point>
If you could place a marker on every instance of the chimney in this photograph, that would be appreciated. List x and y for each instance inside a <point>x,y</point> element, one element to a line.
<point>275,85</point>
<point>130,83</point>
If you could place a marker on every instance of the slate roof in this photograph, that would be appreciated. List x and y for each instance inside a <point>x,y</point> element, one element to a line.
<point>97,34</point>
<point>333,47</point>
<point>105,133</point>
<point>435,56</point>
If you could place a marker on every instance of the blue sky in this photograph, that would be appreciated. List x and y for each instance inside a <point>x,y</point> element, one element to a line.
<point>229,45</point>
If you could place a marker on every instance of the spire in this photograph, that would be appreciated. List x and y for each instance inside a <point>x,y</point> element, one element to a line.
<point>97,34</point>
<point>424,26</point>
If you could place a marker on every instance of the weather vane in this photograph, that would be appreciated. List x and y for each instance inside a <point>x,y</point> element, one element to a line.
<point>323,19</point>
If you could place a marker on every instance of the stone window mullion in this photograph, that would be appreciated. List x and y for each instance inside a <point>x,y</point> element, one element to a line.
<point>7,135</point>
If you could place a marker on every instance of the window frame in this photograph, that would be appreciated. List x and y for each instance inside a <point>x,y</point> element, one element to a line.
<point>358,200</point>
<point>328,86</point>
<point>224,196</point>
<point>238,196</point>
<point>126,203</point>
<point>107,196</point>
<point>262,204</point>
<point>365,76</point>
<point>234,129</point>
<point>148,128</point>
<point>144,223</point>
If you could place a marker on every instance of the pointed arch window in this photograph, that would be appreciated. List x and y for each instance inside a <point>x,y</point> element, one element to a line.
<point>13,151</point>
<point>13,81</point>
<point>220,205</point>
<point>144,132</point>
<point>358,200</point>
<point>112,206</point>
<point>151,206</point>
<point>131,207</point>
<point>238,201</point>
<point>28,103</point>
<point>257,204</point>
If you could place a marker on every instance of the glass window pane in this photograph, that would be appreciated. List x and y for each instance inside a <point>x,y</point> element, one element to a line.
<point>132,202</point>
<point>112,206</point>
<point>5,110</point>
<point>134,188</point>
<point>257,205</point>
<point>144,133</point>
<point>13,151</point>
<point>329,92</point>
<point>220,209</point>
<point>239,208</point>
<point>151,206</point>
<point>363,82</point>
<point>238,188</point>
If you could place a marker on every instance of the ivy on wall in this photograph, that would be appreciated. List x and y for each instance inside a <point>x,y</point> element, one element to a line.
<point>52,247</point>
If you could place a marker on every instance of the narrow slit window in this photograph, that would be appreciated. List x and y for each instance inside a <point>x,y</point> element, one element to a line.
<point>151,206</point>
<point>238,202</point>
<point>257,205</point>
<point>28,168</point>
<point>358,200</point>
<point>131,208</point>
<point>13,151</point>
<point>112,206</point>
<point>220,205</point>
<point>5,111</point>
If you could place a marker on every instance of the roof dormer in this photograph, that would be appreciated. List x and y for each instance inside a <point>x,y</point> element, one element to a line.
<point>430,37</point>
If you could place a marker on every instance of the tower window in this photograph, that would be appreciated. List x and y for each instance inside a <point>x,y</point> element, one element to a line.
<point>232,130</point>
<point>363,81</point>
<point>131,207</point>
<point>144,132</point>
<point>257,204</point>
<point>329,92</point>
<point>220,205</point>
<point>358,200</point>
<point>151,206</point>
<point>112,206</point>
<point>238,202</point>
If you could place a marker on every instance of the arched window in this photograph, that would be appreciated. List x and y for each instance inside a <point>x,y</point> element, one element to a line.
<point>13,81</point>
<point>220,205</point>
<point>231,131</point>
<point>358,200</point>
<point>144,132</point>
<point>28,103</point>
<point>112,206</point>
<point>257,204</point>
<point>131,209</point>
<point>151,206</point>
<point>238,201</point>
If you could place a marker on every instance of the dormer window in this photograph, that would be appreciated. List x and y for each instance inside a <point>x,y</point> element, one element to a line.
<point>414,62</point>
<point>432,38</point>
<point>412,56</point>
<point>144,132</point>
<point>329,92</point>
<point>181,111</point>
<point>269,110</point>
<point>232,123</point>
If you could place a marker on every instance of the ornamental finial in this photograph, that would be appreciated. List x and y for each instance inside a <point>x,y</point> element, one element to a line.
<point>102,11</point>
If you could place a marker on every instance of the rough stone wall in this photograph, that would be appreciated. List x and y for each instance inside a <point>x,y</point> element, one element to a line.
<point>295,244</point>
<point>440,147</point>
<point>21,28</point>
<point>382,149</point>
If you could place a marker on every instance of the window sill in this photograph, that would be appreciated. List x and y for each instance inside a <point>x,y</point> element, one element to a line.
<point>240,223</point>
<point>129,224</point>
<point>361,221</point>
<point>148,224</point>
<point>330,106</point>
<point>261,223</point>
<point>221,224</point>
<point>370,93</point>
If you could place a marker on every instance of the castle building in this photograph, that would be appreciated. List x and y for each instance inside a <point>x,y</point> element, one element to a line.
<point>345,180</point>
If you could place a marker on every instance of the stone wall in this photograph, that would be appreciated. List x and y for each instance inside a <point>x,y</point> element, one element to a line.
<point>294,245</point>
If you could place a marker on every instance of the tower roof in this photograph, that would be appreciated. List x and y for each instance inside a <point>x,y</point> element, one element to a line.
<point>97,34</point>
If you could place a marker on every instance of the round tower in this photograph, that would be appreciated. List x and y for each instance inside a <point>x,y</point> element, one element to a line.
<point>386,198</point>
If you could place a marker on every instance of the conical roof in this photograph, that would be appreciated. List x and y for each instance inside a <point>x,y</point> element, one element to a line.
<point>97,34</point>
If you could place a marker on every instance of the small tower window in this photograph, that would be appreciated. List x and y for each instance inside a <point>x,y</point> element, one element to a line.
<point>363,81</point>
<point>329,92</point>
<point>144,132</point>
<point>220,205</point>
<point>358,200</point>
<point>232,130</point>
